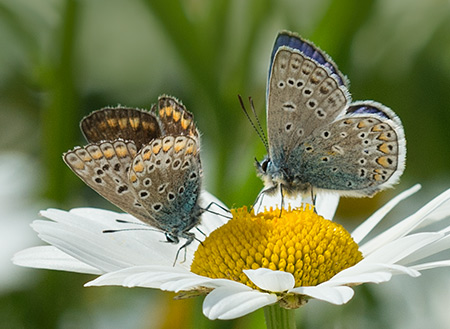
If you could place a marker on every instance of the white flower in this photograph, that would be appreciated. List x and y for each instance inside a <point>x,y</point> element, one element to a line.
<point>138,258</point>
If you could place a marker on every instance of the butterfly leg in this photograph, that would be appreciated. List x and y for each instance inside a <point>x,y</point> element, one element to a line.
<point>258,198</point>
<point>216,213</point>
<point>313,199</point>
<point>189,236</point>
<point>282,199</point>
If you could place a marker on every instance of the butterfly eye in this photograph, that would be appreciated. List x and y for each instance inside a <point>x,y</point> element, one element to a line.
<point>172,238</point>
<point>265,164</point>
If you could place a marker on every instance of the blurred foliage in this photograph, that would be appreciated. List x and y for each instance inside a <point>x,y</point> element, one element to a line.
<point>62,59</point>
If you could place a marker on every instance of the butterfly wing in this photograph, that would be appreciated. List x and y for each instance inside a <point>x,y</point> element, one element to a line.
<point>104,167</point>
<point>175,119</point>
<point>305,91</point>
<point>359,154</point>
<point>112,123</point>
<point>293,41</point>
<point>166,175</point>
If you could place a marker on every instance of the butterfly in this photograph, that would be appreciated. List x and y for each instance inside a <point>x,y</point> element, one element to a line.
<point>146,163</point>
<point>318,139</point>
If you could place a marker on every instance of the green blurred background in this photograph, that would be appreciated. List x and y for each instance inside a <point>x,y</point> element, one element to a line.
<point>60,60</point>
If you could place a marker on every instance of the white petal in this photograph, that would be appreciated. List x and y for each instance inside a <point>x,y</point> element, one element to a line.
<point>434,210</point>
<point>194,281</point>
<point>430,265</point>
<point>335,295</point>
<point>143,246</point>
<point>269,280</point>
<point>365,271</point>
<point>374,273</point>
<point>230,303</point>
<point>89,247</point>
<point>326,204</point>
<point>49,257</point>
<point>366,227</point>
<point>428,250</point>
<point>161,277</point>
<point>142,276</point>
<point>79,233</point>
<point>397,250</point>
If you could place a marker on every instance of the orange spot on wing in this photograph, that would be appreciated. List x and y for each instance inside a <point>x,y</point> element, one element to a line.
<point>378,177</point>
<point>176,115</point>
<point>191,149</point>
<point>167,145</point>
<point>138,167</point>
<point>78,165</point>
<point>179,145</point>
<point>379,127</point>
<point>384,148</point>
<point>383,161</point>
<point>349,121</point>
<point>123,122</point>
<point>96,154</point>
<point>148,125</point>
<point>361,124</point>
<point>109,152</point>
<point>112,122</point>
<point>156,148</point>
<point>121,151</point>
<point>384,137</point>
<point>146,155</point>
<point>168,110</point>
<point>85,157</point>
<point>185,123</point>
<point>134,122</point>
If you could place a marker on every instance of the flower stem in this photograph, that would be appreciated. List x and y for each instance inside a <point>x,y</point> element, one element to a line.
<point>279,318</point>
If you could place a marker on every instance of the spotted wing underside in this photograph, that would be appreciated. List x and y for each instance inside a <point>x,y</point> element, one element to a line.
<point>166,175</point>
<point>358,155</point>
<point>104,167</point>
<point>175,119</point>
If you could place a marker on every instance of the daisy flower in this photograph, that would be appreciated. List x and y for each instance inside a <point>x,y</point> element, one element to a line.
<point>250,261</point>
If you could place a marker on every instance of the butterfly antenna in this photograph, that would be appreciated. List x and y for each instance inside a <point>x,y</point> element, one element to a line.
<point>129,229</point>
<point>123,221</point>
<point>259,131</point>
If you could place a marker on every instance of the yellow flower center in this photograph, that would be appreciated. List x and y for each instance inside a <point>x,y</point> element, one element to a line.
<point>298,241</point>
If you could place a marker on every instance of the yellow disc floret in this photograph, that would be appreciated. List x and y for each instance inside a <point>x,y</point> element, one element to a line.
<point>300,242</point>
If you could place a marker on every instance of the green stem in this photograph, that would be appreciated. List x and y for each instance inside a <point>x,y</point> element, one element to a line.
<point>279,318</point>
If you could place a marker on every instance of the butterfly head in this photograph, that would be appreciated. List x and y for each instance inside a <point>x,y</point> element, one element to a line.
<point>276,177</point>
<point>172,238</point>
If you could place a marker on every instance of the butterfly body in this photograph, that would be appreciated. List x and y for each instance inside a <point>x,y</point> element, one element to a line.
<point>318,139</point>
<point>146,163</point>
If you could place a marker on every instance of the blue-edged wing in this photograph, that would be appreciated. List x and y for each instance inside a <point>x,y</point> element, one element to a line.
<point>318,139</point>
